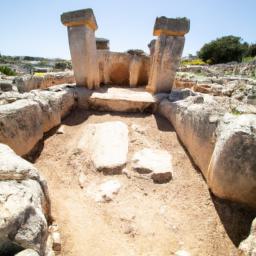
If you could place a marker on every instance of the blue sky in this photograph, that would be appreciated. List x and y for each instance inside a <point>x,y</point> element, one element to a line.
<point>33,27</point>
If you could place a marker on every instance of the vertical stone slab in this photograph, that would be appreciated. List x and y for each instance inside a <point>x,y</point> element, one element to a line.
<point>81,34</point>
<point>166,53</point>
<point>135,67</point>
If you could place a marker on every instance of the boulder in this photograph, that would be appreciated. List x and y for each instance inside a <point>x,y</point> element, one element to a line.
<point>248,246</point>
<point>153,161</point>
<point>232,170</point>
<point>24,204</point>
<point>21,125</point>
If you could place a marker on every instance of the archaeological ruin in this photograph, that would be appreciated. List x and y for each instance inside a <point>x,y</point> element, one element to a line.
<point>129,153</point>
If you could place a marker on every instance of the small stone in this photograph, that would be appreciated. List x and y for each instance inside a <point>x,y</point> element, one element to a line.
<point>182,253</point>
<point>60,130</point>
<point>27,252</point>
<point>56,246</point>
<point>109,189</point>
<point>156,162</point>
<point>82,180</point>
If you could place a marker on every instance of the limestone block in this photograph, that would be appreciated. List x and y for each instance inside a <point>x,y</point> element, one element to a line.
<point>102,44</point>
<point>27,252</point>
<point>232,170</point>
<point>135,67</point>
<point>21,125</point>
<point>80,17</point>
<point>84,56</point>
<point>156,162</point>
<point>107,145</point>
<point>171,27</point>
<point>24,203</point>
<point>165,61</point>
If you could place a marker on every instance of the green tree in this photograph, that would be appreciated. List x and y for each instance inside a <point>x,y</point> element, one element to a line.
<point>223,50</point>
<point>251,50</point>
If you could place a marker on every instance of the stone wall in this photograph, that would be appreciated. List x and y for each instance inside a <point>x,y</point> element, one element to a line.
<point>221,142</point>
<point>123,69</point>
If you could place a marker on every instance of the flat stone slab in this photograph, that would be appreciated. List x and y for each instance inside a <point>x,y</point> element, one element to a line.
<point>171,27</point>
<point>155,162</point>
<point>107,145</point>
<point>122,100</point>
<point>80,17</point>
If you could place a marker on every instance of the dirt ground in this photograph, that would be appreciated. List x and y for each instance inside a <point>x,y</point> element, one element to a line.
<point>144,218</point>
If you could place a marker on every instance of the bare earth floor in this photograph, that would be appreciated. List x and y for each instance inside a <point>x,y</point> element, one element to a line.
<point>144,218</point>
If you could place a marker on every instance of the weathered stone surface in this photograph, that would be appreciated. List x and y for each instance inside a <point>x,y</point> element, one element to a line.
<point>171,27</point>
<point>195,126</point>
<point>122,100</point>
<point>79,17</point>
<point>21,125</point>
<point>102,44</point>
<point>232,170</point>
<point>6,85</point>
<point>24,203</point>
<point>29,82</point>
<point>222,145</point>
<point>165,61</point>
<point>248,246</point>
<point>123,69</point>
<point>107,144</point>
<point>155,162</point>
<point>27,252</point>
<point>83,51</point>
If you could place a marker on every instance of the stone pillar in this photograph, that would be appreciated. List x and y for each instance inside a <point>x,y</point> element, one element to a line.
<point>166,53</point>
<point>134,70</point>
<point>81,26</point>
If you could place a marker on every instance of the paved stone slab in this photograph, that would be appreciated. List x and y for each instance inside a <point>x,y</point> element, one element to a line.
<point>155,162</point>
<point>123,100</point>
<point>107,144</point>
<point>171,27</point>
<point>79,17</point>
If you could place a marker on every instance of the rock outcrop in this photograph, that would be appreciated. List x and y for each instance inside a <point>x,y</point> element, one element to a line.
<point>24,203</point>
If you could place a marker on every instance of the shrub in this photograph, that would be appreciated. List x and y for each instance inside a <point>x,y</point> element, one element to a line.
<point>62,65</point>
<point>193,62</point>
<point>7,71</point>
<point>223,50</point>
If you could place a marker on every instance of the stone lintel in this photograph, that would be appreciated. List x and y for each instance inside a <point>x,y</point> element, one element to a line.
<point>80,17</point>
<point>171,27</point>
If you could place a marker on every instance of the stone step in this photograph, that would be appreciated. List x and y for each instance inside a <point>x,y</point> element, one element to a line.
<point>124,100</point>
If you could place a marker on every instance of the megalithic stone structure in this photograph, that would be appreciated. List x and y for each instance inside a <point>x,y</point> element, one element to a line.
<point>166,52</point>
<point>81,26</point>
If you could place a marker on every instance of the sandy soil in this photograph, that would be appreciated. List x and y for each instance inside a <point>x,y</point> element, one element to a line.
<point>144,218</point>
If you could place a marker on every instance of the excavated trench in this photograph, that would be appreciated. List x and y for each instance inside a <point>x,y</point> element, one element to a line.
<point>142,217</point>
